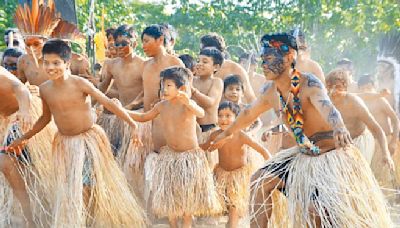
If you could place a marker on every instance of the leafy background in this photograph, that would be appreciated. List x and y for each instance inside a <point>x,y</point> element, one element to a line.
<point>334,29</point>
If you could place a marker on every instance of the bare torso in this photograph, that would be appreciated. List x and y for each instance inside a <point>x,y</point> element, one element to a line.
<point>127,77</point>
<point>313,121</point>
<point>31,72</point>
<point>376,107</point>
<point>69,105</point>
<point>179,126</point>
<point>205,86</point>
<point>8,100</point>
<point>233,154</point>
<point>349,109</point>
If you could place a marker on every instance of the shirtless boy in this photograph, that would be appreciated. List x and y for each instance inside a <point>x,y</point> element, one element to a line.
<point>82,154</point>
<point>15,100</point>
<point>154,47</point>
<point>228,67</point>
<point>181,166</point>
<point>356,117</point>
<point>10,59</point>
<point>302,170</point>
<point>232,173</point>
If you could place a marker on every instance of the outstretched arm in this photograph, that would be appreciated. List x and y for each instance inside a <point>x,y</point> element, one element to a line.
<point>255,145</point>
<point>191,104</point>
<point>147,116</point>
<point>20,69</point>
<point>321,101</point>
<point>214,96</point>
<point>24,100</point>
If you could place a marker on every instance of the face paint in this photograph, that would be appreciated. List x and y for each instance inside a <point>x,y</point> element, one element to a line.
<point>273,61</point>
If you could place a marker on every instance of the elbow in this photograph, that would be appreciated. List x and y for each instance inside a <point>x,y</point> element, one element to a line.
<point>201,114</point>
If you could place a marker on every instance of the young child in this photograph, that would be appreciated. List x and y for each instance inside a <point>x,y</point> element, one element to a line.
<point>10,59</point>
<point>182,183</point>
<point>232,173</point>
<point>207,92</point>
<point>233,91</point>
<point>88,188</point>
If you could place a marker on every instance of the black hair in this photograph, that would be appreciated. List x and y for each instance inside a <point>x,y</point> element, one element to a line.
<point>13,30</point>
<point>124,30</point>
<point>156,31</point>
<point>179,75</point>
<point>235,108</point>
<point>282,37</point>
<point>233,79</point>
<point>110,31</point>
<point>247,56</point>
<point>214,53</point>
<point>300,37</point>
<point>366,79</point>
<point>97,66</point>
<point>13,52</point>
<point>188,60</point>
<point>213,40</point>
<point>58,47</point>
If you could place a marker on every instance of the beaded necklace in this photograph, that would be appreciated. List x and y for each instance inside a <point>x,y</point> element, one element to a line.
<point>295,117</point>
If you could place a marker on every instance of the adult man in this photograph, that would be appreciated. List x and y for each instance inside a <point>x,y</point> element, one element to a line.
<point>323,173</point>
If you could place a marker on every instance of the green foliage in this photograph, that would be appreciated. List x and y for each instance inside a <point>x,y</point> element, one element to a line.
<point>7,10</point>
<point>334,29</point>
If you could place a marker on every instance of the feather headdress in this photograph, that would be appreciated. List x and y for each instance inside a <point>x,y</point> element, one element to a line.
<point>38,20</point>
<point>67,31</point>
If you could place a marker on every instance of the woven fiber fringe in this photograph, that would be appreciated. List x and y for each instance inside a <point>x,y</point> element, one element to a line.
<point>113,129</point>
<point>35,172</point>
<point>183,183</point>
<point>338,186</point>
<point>110,204</point>
<point>366,144</point>
<point>212,157</point>
<point>233,187</point>
<point>148,174</point>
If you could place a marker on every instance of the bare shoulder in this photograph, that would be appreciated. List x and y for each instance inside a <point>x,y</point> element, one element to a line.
<point>149,62</point>
<point>217,81</point>
<point>268,88</point>
<point>174,60</point>
<point>23,59</point>
<point>312,81</point>
<point>355,100</point>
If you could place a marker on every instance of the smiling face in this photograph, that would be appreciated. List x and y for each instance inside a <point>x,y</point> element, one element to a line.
<point>233,93</point>
<point>225,118</point>
<point>205,66</point>
<point>54,66</point>
<point>152,46</point>
<point>169,89</point>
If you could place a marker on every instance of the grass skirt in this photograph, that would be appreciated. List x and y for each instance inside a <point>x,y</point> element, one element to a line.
<point>183,183</point>
<point>233,187</point>
<point>113,128</point>
<point>212,157</point>
<point>110,204</point>
<point>366,144</point>
<point>35,171</point>
<point>339,185</point>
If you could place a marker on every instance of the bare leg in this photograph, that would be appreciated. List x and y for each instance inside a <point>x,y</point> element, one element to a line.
<point>173,221</point>
<point>9,167</point>
<point>263,200</point>
<point>187,221</point>
<point>233,221</point>
<point>314,215</point>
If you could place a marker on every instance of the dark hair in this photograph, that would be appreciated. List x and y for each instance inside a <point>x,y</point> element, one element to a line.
<point>366,79</point>
<point>235,108</point>
<point>110,31</point>
<point>249,56</point>
<point>58,47</point>
<point>13,30</point>
<point>233,79</point>
<point>213,40</point>
<point>188,60</point>
<point>155,31</point>
<point>97,66</point>
<point>285,38</point>
<point>214,53</point>
<point>13,52</point>
<point>124,30</point>
<point>179,75</point>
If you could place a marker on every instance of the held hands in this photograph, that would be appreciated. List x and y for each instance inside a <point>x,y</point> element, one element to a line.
<point>387,159</point>
<point>219,141</point>
<point>25,120</point>
<point>136,138</point>
<point>183,98</point>
<point>342,137</point>
<point>17,146</point>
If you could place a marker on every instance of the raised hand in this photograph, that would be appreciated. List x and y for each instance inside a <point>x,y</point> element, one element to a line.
<point>17,146</point>
<point>183,97</point>
<point>219,141</point>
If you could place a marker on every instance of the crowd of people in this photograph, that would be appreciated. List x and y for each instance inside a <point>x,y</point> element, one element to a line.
<point>181,137</point>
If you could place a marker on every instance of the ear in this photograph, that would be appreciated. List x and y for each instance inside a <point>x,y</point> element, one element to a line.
<point>160,40</point>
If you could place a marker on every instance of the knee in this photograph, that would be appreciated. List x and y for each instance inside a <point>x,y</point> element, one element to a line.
<point>7,164</point>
